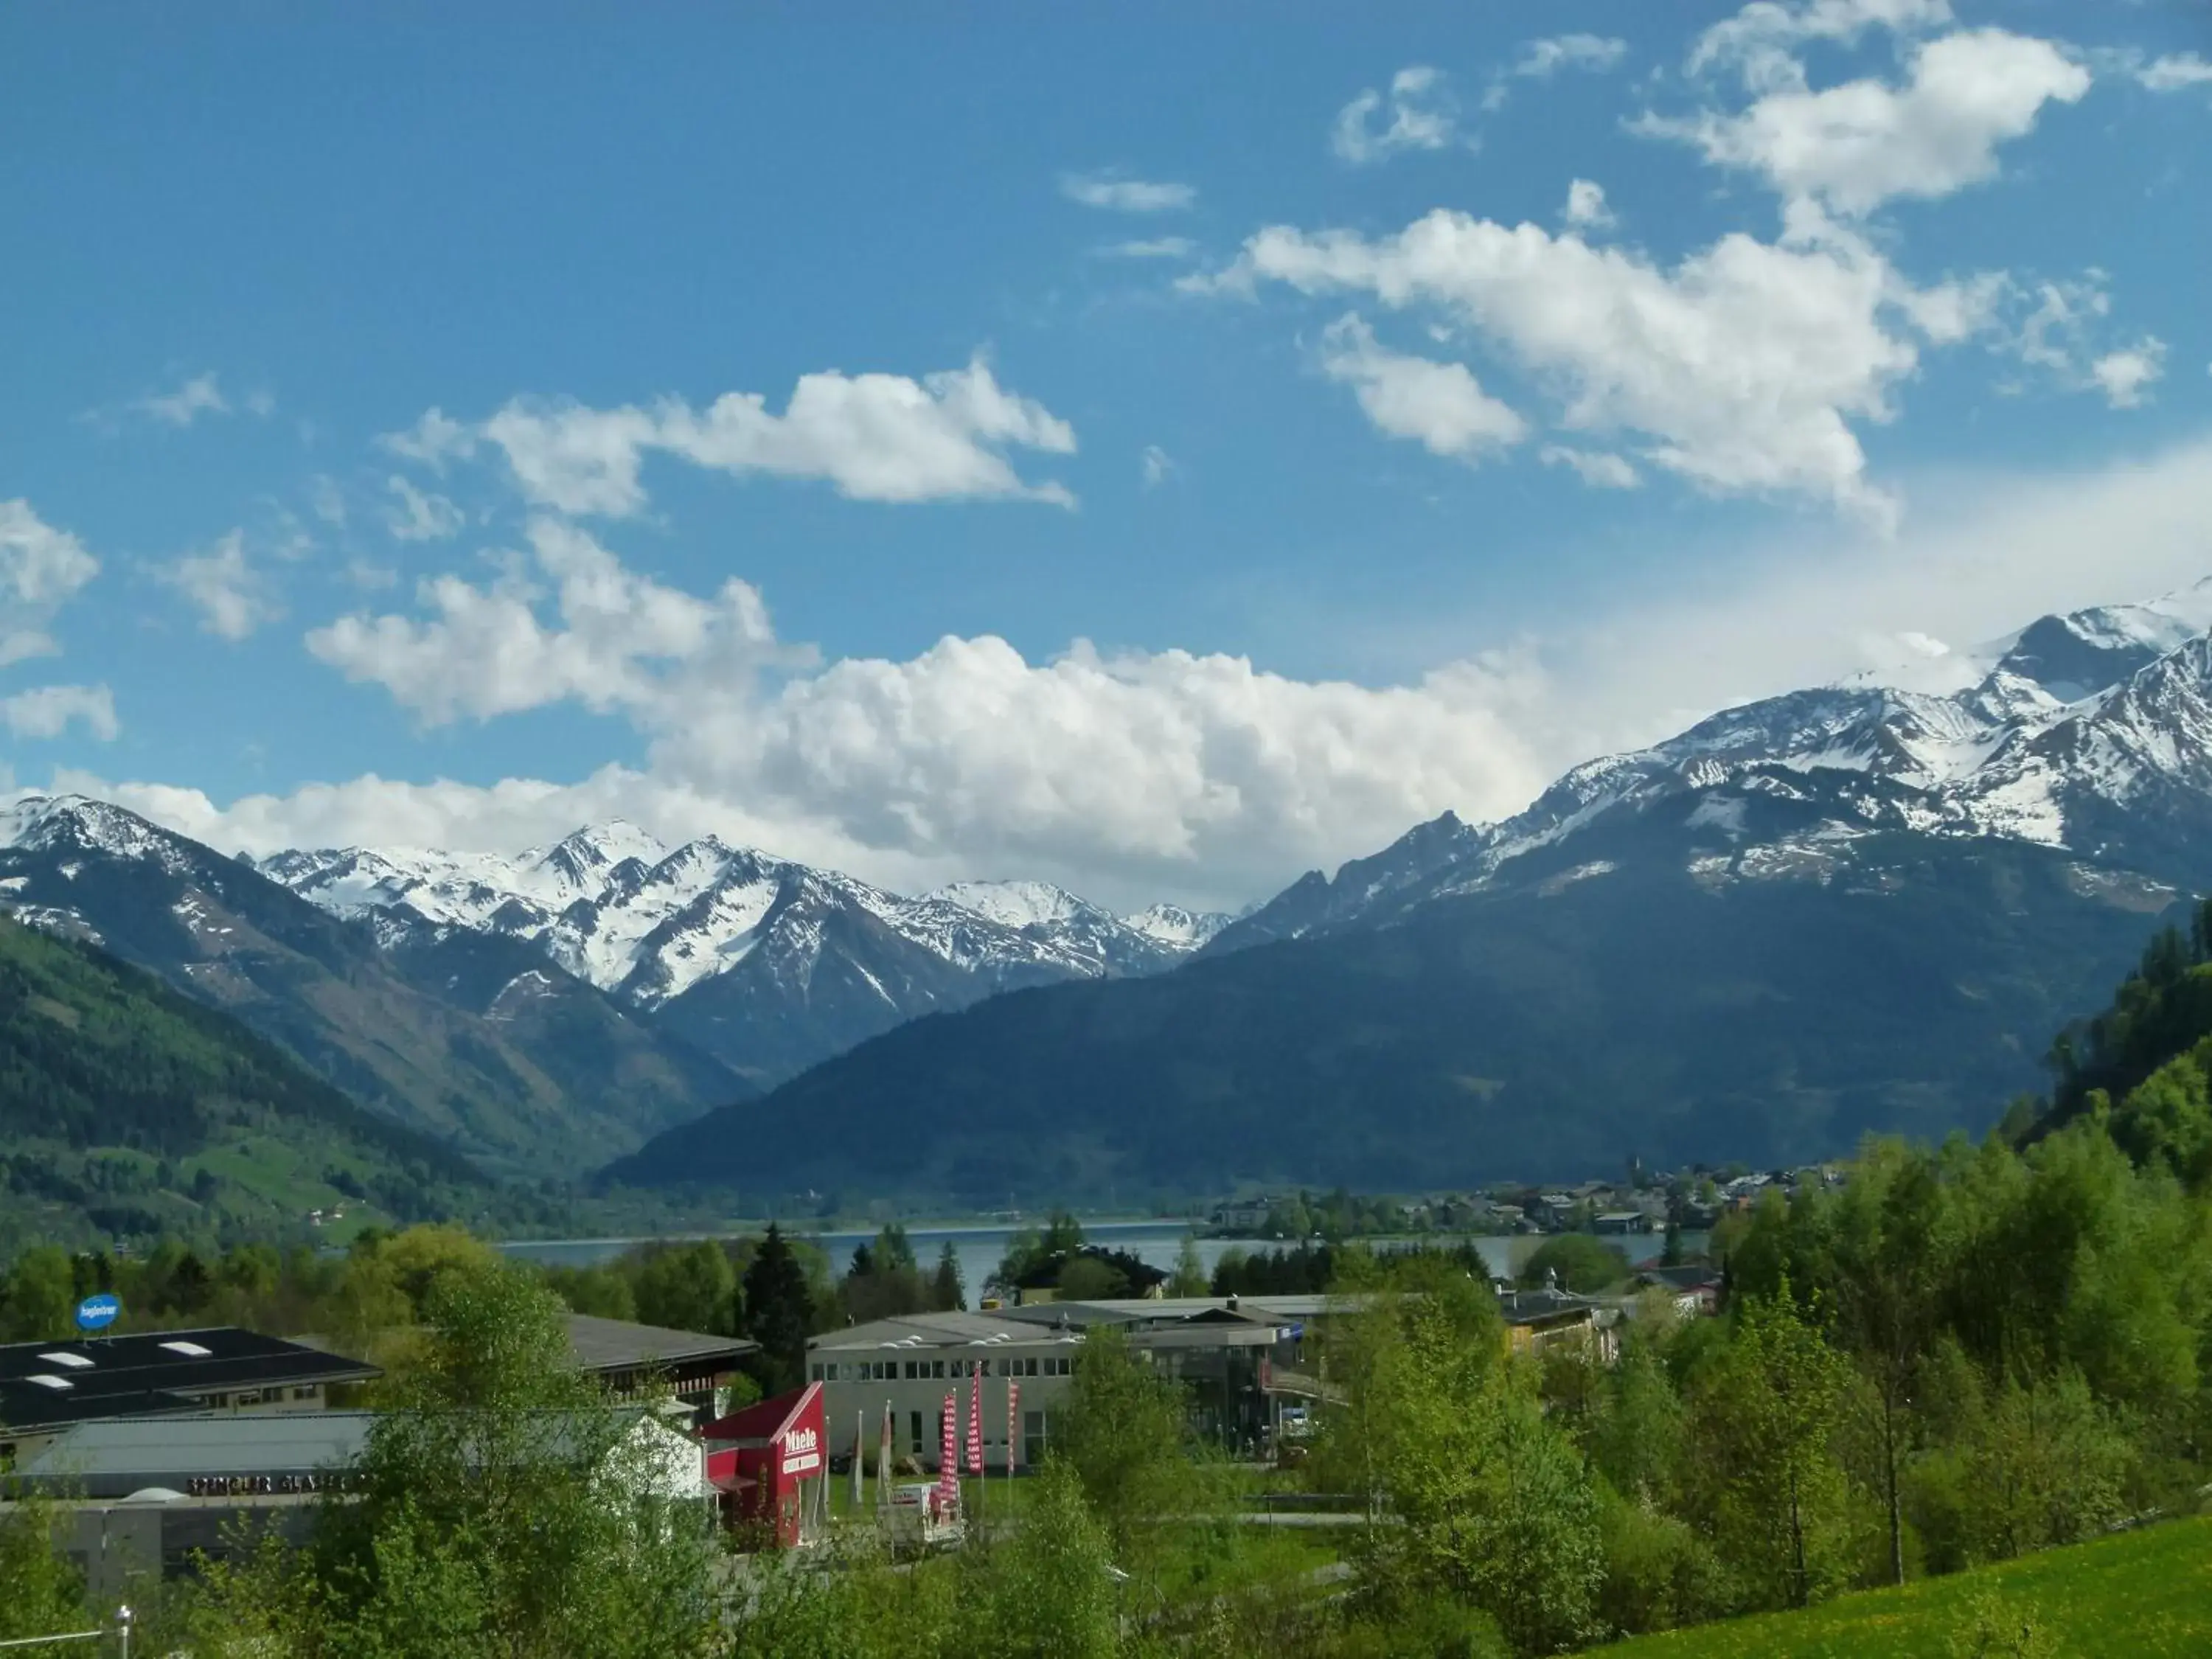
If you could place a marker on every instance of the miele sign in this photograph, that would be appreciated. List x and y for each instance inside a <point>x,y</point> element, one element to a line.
<point>802,1451</point>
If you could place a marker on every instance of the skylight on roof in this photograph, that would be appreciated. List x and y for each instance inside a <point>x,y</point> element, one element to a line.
<point>74,1361</point>
<point>54,1382</point>
<point>189,1350</point>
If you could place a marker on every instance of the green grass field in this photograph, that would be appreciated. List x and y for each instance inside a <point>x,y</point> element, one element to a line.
<point>2144,1595</point>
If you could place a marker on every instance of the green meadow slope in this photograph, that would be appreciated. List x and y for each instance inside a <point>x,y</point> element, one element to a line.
<point>2144,1595</point>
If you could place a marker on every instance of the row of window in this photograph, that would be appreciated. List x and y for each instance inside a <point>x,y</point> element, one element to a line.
<point>917,1371</point>
<point>1037,1434</point>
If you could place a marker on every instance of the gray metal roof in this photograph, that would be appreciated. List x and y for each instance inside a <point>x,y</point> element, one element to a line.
<point>167,1450</point>
<point>1128,1310</point>
<point>926,1331</point>
<point>618,1345</point>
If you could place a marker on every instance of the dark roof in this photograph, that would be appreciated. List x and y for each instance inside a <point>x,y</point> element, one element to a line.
<point>145,1373</point>
<point>613,1347</point>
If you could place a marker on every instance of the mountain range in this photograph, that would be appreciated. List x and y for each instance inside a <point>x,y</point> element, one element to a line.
<point>767,965</point>
<point>545,1012</point>
<point>1859,907</point>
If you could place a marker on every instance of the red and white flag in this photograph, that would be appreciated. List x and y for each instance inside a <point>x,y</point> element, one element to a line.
<point>1013,1424</point>
<point>948,1456</point>
<point>975,1419</point>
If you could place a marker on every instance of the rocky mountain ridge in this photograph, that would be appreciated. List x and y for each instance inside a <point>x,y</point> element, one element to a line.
<point>770,964</point>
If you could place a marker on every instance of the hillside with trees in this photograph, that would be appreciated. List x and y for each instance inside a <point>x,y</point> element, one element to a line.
<point>126,1109</point>
<point>1535,1033</point>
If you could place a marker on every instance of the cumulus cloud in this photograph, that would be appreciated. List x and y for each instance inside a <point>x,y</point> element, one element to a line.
<point>1417,112</point>
<point>1157,761</point>
<point>1439,405</point>
<point>2123,375</point>
<point>1118,194</point>
<point>435,439</point>
<point>1854,147</point>
<point>1593,467</point>
<point>872,437</point>
<point>1761,41</point>
<point>48,711</point>
<point>1586,207</point>
<point>416,515</point>
<point>2175,71</point>
<point>231,596</point>
<point>1156,248</point>
<point>41,569</point>
<point>199,395</point>
<point>1540,60</point>
<point>1155,464</point>
<point>2058,327</point>
<point>1741,368</point>
<point>484,651</point>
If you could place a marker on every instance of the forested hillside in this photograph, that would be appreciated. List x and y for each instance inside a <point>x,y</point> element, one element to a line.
<point>126,1109</point>
<point>1541,1033</point>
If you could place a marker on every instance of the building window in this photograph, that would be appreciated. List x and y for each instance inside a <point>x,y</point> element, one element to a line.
<point>1033,1437</point>
<point>937,1368</point>
<point>1032,1370</point>
<point>914,1417</point>
<point>814,1372</point>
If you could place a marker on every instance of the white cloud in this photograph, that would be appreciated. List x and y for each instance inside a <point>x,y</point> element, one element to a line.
<point>435,439</point>
<point>1856,146</point>
<point>1586,207</point>
<point>1595,467</point>
<point>2062,333</point>
<point>1166,761</point>
<point>2176,72</point>
<point>47,711</point>
<point>1541,60</point>
<point>41,569</point>
<point>1116,194</point>
<point>873,437</point>
<point>2123,374</point>
<point>418,515</point>
<point>196,396</point>
<point>1760,41</point>
<point>231,596</point>
<point>1155,464</point>
<point>1439,405</point>
<point>1158,247</point>
<point>40,565</point>
<point>1422,115</point>
<point>326,498</point>
<point>484,651</point>
<point>1742,368</point>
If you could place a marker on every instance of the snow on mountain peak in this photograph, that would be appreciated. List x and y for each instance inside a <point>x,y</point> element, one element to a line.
<point>1016,903</point>
<point>38,821</point>
<point>1176,928</point>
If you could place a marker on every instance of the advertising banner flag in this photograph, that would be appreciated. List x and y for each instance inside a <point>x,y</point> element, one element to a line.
<point>859,1449</point>
<point>948,1455</point>
<point>1013,1424</point>
<point>975,1419</point>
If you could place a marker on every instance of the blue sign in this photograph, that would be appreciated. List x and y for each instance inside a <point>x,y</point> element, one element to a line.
<point>97,1313</point>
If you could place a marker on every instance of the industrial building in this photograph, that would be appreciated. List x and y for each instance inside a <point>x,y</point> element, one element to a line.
<point>140,1496</point>
<point>48,1387</point>
<point>1241,1360</point>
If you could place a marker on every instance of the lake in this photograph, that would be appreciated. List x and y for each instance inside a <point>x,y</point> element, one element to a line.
<point>979,1248</point>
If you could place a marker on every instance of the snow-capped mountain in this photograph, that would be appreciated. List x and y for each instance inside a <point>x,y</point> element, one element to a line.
<point>475,1039</point>
<point>2090,731</point>
<point>822,960</point>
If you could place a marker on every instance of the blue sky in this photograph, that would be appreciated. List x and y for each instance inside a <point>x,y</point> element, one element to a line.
<point>1152,453</point>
